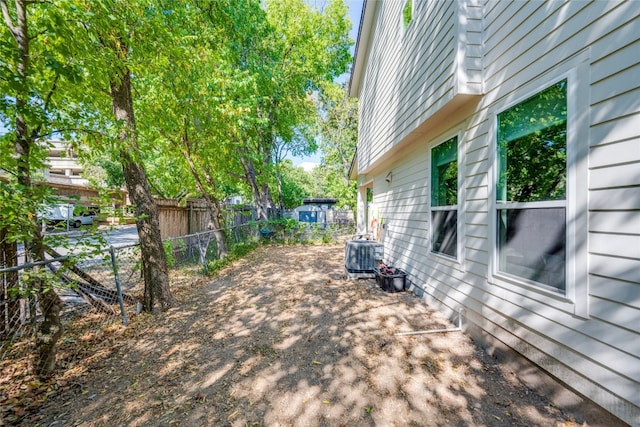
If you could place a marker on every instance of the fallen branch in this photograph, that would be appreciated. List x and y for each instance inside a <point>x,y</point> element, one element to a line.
<point>91,285</point>
<point>93,300</point>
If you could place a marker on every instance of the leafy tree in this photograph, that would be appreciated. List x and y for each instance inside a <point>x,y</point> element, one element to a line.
<point>301,144</point>
<point>103,170</point>
<point>306,49</point>
<point>31,75</point>
<point>197,98</point>
<point>297,184</point>
<point>338,130</point>
<point>113,42</point>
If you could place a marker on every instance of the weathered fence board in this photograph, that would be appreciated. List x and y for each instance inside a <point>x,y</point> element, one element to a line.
<point>179,220</point>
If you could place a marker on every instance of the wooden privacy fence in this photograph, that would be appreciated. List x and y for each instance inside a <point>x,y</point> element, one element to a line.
<point>193,217</point>
<point>180,220</point>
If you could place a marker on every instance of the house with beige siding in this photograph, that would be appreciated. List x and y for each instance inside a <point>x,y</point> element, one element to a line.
<point>501,143</point>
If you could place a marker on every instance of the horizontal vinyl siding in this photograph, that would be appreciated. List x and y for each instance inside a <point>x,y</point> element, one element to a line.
<point>614,183</point>
<point>604,348</point>
<point>475,209</point>
<point>596,349</point>
<point>616,199</point>
<point>618,153</point>
<point>618,291</point>
<point>375,95</point>
<point>470,42</point>
<point>615,176</point>
<point>404,209</point>
<point>404,76</point>
<point>539,41</point>
<point>411,74</point>
<point>614,222</point>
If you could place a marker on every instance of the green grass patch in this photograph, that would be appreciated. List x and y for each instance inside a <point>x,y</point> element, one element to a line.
<point>236,251</point>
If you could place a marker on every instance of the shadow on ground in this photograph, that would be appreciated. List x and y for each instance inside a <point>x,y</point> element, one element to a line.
<point>282,338</point>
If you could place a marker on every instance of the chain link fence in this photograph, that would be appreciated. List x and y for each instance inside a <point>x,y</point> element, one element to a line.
<point>103,289</point>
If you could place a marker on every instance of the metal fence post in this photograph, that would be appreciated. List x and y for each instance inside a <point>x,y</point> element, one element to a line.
<point>118,287</point>
<point>202,249</point>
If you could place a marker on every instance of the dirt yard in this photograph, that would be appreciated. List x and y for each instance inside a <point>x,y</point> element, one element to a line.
<point>281,338</point>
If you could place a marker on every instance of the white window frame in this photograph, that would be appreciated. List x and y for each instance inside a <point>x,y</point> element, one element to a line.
<point>574,299</point>
<point>459,218</point>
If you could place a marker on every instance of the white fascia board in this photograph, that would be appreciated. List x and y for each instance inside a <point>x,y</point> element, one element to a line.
<point>362,46</point>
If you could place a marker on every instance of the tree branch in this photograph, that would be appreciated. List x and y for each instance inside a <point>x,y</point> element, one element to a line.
<point>80,130</point>
<point>157,190</point>
<point>7,19</point>
<point>36,131</point>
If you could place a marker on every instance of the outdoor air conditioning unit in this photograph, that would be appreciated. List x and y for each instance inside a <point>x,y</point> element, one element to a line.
<point>361,257</point>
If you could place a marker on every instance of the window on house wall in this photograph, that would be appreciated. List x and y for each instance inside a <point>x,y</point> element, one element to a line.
<point>444,198</point>
<point>531,188</point>
<point>407,13</point>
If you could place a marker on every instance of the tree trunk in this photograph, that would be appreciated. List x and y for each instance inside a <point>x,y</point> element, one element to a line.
<point>217,225</point>
<point>268,200</point>
<point>10,302</point>
<point>154,262</point>
<point>262,208</point>
<point>216,220</point>
<point>49,331</point>
<point>280,194</point>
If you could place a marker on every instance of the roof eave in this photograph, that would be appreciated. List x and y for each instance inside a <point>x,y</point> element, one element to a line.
<point>353,168</point>
<point>362,45</point>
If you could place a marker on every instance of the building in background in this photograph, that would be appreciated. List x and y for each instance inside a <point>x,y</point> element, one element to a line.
<point>63,166</point>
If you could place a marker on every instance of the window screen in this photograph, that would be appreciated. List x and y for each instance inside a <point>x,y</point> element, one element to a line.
<point>532,244</point>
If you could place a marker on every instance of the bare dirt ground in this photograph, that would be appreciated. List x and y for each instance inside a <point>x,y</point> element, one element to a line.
<point>281,338</point>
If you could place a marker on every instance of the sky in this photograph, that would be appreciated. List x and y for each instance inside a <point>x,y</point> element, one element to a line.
<point>355,9</point>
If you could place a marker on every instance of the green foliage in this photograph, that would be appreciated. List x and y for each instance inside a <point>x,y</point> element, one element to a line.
<point>297,184</point>
<point>444,173</point>
<point>18,209</point>
<point>37,89</point>
<point>290,231</point>
<point>34,83</point>
<point>169,253</point>
<point>532,147</point>
<point>338,127</point>
<point>33,281</point>
<point>113,177</point>
<point>280,224</point>
<point>216,82</point>
<point>306,49</point>
<point>407,13</point>
<point>317,233</point>
<point>236,252</point>
<point>199,96</point>
<point>278,230</point>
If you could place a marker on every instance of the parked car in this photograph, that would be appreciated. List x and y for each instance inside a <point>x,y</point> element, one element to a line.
<point>55,214</point>
<point>85,218</point>
<point>84,215</point>
<point>63,212</point>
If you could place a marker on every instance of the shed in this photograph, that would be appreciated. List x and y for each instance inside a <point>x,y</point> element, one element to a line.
<point>309,213</point>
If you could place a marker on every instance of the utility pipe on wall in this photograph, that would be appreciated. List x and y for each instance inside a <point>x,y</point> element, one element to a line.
<point>435,331</point>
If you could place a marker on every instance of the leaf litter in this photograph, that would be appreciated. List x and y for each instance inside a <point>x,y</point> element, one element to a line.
<point>282,338</point>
